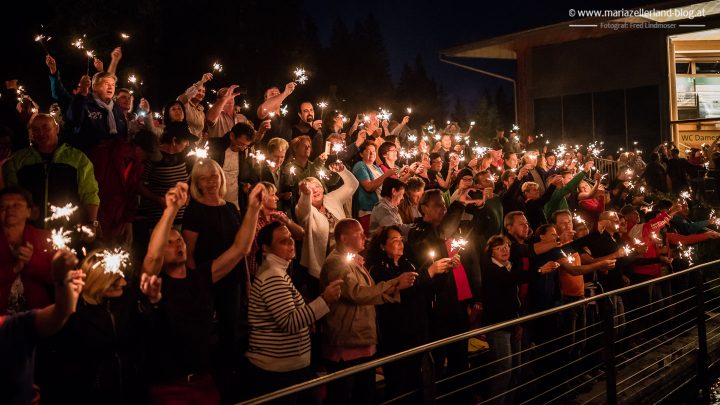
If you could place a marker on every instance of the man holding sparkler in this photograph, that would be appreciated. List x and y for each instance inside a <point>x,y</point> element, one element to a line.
<point>272,108</point>
<point>194,111</point>
<point>311,127</point>
<point>93,115</point>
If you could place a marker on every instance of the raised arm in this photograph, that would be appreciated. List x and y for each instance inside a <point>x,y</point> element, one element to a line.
<point>175,198</point>
<point>192,90</point>
<point>243,239</point>
<point>115,57</point>
<point>68,284</point>
<point>214,112</point>
<point>273,103</point>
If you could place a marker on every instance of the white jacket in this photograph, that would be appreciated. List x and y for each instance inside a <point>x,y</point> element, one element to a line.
<point>316,224</point>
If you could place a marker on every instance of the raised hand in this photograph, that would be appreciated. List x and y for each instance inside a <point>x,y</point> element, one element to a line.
<point>151,286</point>
<point>116,54</point>
<point>289,88</point>
<point>177,197</point>
<point>51,64</point>
<point>206,78</point>
<point>257,196</point>
<point>98,63</point>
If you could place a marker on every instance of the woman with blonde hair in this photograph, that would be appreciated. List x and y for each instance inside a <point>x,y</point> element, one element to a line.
<point>210,223</point>
<point>318,212</point>
<point>273,172</point>
<point>91,359</point>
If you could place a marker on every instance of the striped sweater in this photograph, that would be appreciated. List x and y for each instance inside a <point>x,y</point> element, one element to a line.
<point>279,319</point>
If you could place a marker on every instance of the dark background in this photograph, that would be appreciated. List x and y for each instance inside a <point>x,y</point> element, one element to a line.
<point>359,54</point>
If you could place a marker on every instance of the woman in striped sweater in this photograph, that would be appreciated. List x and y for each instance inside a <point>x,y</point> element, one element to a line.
<point>279,319</point>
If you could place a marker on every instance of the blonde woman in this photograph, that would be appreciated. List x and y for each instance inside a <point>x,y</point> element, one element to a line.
<point>210,223</point>
<point>93,354</point>
<point>318,213</point>
<point>273,171</point>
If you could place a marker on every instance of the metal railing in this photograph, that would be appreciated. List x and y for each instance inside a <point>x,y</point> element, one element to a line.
<point>607,166</point>
<point>623,367</point>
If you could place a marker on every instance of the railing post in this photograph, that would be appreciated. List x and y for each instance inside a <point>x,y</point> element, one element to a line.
<point>607,314</point>
<point>427,385</point>
<point>702,359</point>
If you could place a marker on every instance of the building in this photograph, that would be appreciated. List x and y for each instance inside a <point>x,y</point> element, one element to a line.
<point>632,78</point>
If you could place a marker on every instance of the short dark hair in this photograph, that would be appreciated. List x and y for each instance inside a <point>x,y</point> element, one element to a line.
<point>243,130</point>
<point>342,227</point>
<point>384,147</point>
<point>390,184</point>
<point>554,215</point>
<point>427,196</point>
<point>495,241</point>
<point>375,252</point>
<point>543,229</point>
<point>414,184</point>
<point>506,155</point>
<point>265,234</point>
<point>366,145</point>
<point>13,190</point>
<point>434,156</point>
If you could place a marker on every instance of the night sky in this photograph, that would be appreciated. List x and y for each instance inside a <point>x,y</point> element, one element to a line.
<point>425,27</point>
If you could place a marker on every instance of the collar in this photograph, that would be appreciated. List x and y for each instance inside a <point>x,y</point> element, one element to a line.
<point>508,266</point>
<point>276,261</point>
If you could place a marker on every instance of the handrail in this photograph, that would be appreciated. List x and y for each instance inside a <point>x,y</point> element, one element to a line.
<point>460,337</point>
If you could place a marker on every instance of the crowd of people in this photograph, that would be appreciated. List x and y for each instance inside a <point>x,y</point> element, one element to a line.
<point>214,257</point>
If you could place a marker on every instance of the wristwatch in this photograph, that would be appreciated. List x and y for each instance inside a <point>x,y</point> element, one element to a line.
<point>95,224</point>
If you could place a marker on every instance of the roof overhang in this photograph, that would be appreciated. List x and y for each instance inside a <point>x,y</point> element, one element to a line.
<point>508,46</point>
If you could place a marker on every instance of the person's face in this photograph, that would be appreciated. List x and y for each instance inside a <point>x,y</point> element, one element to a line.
<point>512,161</point>
<point>550,161</point>
<point>501,253</point>
<point>354,238</point>
<point>176,113</point>
<point>14,210</point>
<point>124,100</point>
<point>434,211</point>
<point>394,245</point>
<point>532,193</point>
<point>465,182</point>
<point>200,95</point>
<point>584,187</point>
<point>175,252</point>
<point>303,149</point>
<point>240,142</point>
<point>484,180</point>
<point>209,183</point>
<point>550,235</point>
<point>391,154</point>
<point>278,157</point>
<point>581,231</point>
<point>44,133</point>
<point>105,88</point>
<point>510,180</point>
<point>563,223</point>
<point>520,229</point>
<point>611,224</point>
<point>368,154</point>
<point>446,141</point>
<point>307,112</point>
<point>317,193</point>
<point>414,196</point>
<point>425,160</point>
<point>271,202</point>
<point>116,288</point>
<point>567,178</point>
<point>283,245</point>
<point>272,92</point>
<point>397,196</point>
<point>436,164</point>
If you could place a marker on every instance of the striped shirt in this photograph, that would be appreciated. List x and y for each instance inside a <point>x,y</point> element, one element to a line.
<point>279,319</point>
<point>159,177</point>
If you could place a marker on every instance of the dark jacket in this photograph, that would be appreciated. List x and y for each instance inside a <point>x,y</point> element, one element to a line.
<point>89,123</point>
<point>500,292</point>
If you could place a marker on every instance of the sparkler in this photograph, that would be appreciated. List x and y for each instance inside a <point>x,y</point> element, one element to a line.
<point>90,54</point>
<point>458,244</point>
<point>594,150</point>
<point>292,170</point>
<point>570,259</point>
<point>627,249</point>
<point>245,105</point>
<point>384,114</point>
<point>60,239</point>
<point>322,175</point>
<point>113,261</point>
<point>349,257</point>
<point>157,115</point>
<point>412,138</point>
<point>409,110</point>
<point>61,212</point>
<point>686,252</point>
<point>322,106</point>
<point>200,152</point>
<point>685,195</point>
<point>300,75</point>
<point>338,147</point>
<point>515,127</point>
<point>132,79</point>
<point>258,156</point>
<point>283,110</point>
<point>217,67</point>
<point>86,230</point>
<point>40,38</point>
<point>78,43</point>
<point>479,150</point>
<point>124,36</point>
<point>472,123</point>
<point>432,255</point>
<point>577,218</point>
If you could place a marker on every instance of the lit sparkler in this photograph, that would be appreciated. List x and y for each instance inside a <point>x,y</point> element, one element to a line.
<point>200,152</point>
<point>458,244</point>
<point>60,239</point>
<point>300,75</point>
<point>217,67</point>
<point>349,257</point>
<point>570,258</point>
<point>412,138</point>
<point>78,43</point>
<point>41,40</point>
<point>113,261</point>
<point>124,36</point>
<point>409,110</point>
<point>283,110</point>
<point>132,79</point>
<point>338,147</point>
<point>61,212</point>
<point>686,252</point>
<point>322,175</point>
<point>258,156</point>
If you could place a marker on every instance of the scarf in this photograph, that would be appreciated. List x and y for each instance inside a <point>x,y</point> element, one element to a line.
<point>110,116</point>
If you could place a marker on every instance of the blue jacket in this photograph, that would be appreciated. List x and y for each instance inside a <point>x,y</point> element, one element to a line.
<point>89,123</point>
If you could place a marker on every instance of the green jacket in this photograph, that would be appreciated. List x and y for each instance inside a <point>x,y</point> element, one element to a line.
<point>67,178</point>
<point>557,201</point>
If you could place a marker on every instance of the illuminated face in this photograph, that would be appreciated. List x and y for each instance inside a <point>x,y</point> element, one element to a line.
<point>124,100</point>
<point>436,164</point>
<point>550,235</point>
<point>446,141</point>
<point>174,251</point>
<point>282,244</point>
<point>271,202</point>
<point>414,196</point>
<point>303,149</point>
<point>176,112</point>
<point>391,155</point>
<point>512,161</point>
<point>105,88</point>
<point>369,155</point>
<point>354,237</point>
<point>272,92</point>
<point>520,228</point>
<point>394,244</point>
<point>501,253</point>
<point>44,132</point>
<point>199,96</point>
<point>209,182</point>
<point>13,210</point>
<point>278,157</point>
<point>532,193</point>
<point>307,112</point>
<point>317,193</point>
<point>585,187</point>
<point>563,223</point>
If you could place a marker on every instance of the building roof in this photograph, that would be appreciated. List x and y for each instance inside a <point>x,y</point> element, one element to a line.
<point>507,46</point>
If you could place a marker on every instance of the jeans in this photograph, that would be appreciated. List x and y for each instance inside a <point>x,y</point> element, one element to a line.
<point>504,349</point>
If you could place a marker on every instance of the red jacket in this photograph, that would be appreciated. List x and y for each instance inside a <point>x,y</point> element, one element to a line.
<point>36,276</point>
<point>654,225</point>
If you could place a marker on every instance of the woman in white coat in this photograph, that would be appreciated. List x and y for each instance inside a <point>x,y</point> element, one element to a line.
<point>318,213</point>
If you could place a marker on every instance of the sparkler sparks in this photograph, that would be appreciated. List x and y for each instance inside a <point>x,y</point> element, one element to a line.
<point>61,212</point>
<point>124,36</point>
<point>245,105</point>
<point>384,114</point>
<point>349,257</point>
<point>412,138</point>
<point>458,244</point>
<point>292,170</point>
<point>300,75</point>
<point>132,79</point>
<point>570,258</point>
<point>322,175</point>
<point>338,147</point>
<point>685,195</point>
<point>59,238</point>
<point>432,255</point>
<point>409,110</point>
<point>217,67</point>
<point>322,104</point>
<point>686,252</point>
<point>113,261</point>
<point>628,250</point>
<point>41,39</point>
<point>283,110</point>
<point>78,43</point>
<point>200,152</point>
<point>577,218</point>
<point>258,156</point>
